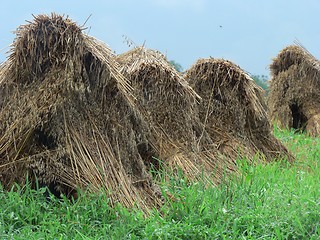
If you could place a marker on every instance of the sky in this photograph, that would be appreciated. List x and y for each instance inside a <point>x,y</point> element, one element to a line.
<point>248,32</point>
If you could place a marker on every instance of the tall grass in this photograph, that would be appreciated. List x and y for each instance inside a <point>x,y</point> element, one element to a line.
<point>274,201</point>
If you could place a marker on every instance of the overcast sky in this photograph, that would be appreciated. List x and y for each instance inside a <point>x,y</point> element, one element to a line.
<point>248,32</point>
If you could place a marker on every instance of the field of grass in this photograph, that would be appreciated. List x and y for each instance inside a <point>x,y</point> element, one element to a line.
<point>275,201</point>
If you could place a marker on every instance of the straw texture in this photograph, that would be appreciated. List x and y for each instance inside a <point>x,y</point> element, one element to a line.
<point>294,99</point>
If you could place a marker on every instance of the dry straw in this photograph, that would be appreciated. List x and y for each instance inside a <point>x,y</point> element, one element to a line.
<point>294,99</point>
<point>66,116</point>
<point>72,114</point>
<point>233,111</point>
<point>170,106</point>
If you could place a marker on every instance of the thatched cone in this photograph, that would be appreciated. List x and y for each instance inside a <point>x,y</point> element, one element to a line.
<point>170,105</point>
<point>165,96</point>
<point>233,110</point>
<point>66,116</point>
<point>294,98</point>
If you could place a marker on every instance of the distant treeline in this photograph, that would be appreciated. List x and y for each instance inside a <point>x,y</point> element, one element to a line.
<point>262,81</point>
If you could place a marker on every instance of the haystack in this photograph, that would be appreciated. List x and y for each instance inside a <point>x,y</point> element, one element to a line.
<point>165,96</point>
<point>233,110</point>
<point>294,99</point>
<point>67,117</point>
<point>178,137</point>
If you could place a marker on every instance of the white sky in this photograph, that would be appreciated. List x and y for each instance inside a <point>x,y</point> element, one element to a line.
<point>252,32</point>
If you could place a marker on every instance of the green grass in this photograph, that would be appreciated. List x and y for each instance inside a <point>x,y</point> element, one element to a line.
<point>276,201</point>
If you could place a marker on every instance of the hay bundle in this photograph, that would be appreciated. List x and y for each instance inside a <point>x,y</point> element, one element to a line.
<point>233,110</point>
<point>167,98</point>
<point>294,99</point>
<point>170,105</point>
<point>66,116</point>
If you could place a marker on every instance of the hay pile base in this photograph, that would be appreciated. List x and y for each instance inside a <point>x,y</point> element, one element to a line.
<point>66,116</point>
<point>294,99</point>
<point>233,111</point>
